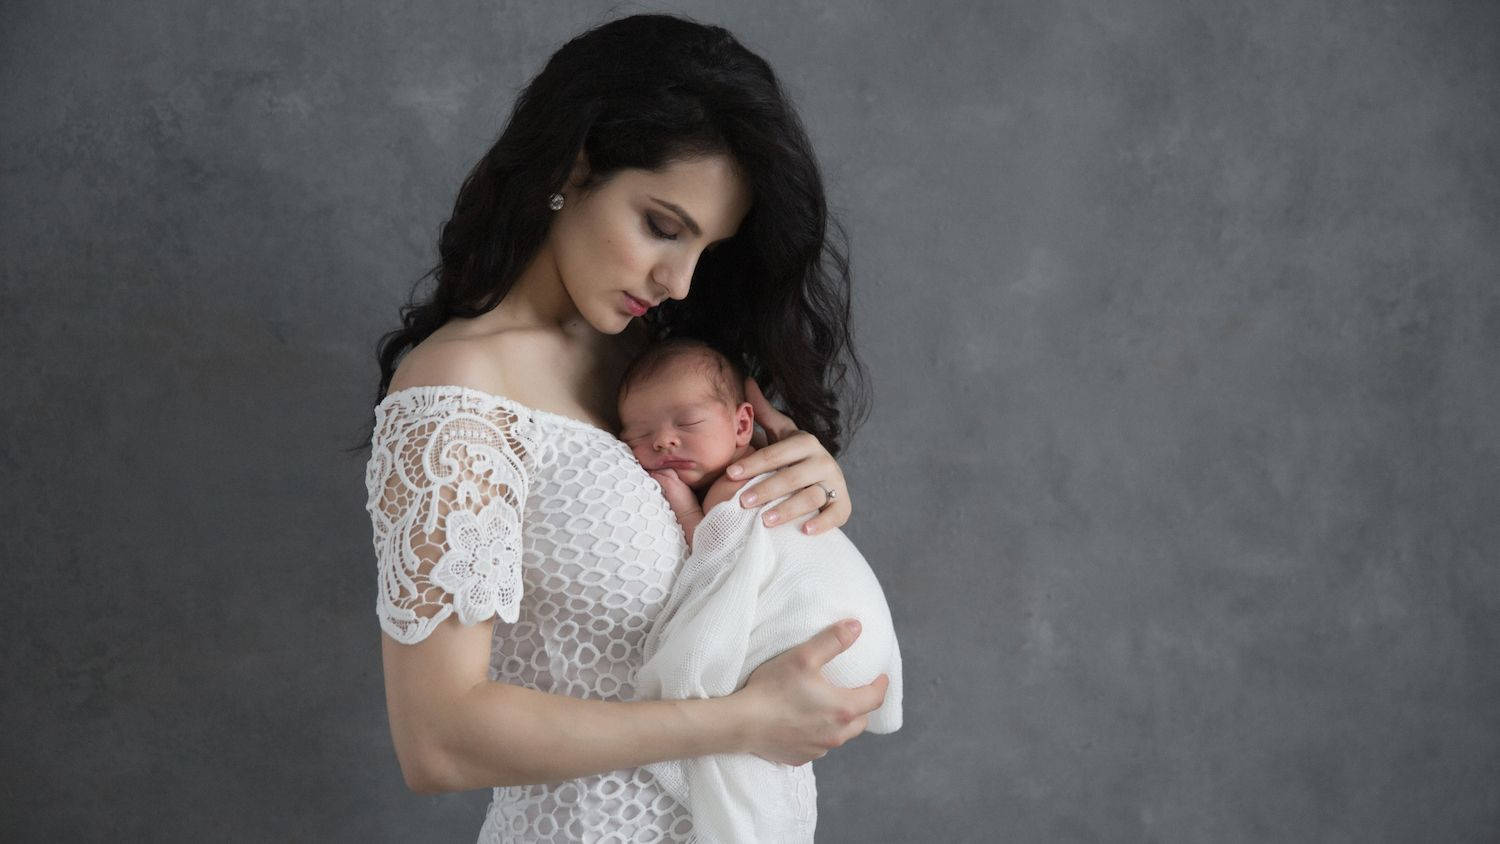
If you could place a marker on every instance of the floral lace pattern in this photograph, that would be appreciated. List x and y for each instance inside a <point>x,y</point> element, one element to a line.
<point>484,508</point>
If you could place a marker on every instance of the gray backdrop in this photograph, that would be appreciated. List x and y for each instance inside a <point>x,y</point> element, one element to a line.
<point>1181,477</point>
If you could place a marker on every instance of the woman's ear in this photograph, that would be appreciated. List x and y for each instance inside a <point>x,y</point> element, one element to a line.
<point>744,423</point>
<point>580,170</point>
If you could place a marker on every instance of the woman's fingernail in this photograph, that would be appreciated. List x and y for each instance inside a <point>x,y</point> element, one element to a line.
<point>772,518</point>
<point>749,498</point>
<point>736,471</point>
<point>853,627</point>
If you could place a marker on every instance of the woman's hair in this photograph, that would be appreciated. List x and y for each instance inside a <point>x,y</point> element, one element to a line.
<point>641,92</point>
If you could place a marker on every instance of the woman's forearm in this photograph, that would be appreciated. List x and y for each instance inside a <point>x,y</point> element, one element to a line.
<point>501,734</point>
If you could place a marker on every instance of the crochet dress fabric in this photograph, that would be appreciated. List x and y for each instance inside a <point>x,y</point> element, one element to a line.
<point>483,509</point>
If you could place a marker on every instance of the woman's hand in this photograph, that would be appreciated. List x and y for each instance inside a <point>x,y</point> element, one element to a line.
<point>801,463</point>
<point>794,714</point>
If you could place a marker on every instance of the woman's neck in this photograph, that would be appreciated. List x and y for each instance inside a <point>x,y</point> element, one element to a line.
<point>538,299</point>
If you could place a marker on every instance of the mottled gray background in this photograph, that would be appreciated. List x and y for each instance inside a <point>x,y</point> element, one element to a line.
<point>1182,474</point>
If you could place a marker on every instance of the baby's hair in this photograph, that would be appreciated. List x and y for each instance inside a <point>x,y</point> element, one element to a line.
<point>727,377</point>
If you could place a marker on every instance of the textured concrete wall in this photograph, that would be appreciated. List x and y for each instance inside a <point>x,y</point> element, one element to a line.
<point>1182,475</point>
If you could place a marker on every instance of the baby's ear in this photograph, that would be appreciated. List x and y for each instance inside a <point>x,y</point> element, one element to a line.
<point>744,423</point>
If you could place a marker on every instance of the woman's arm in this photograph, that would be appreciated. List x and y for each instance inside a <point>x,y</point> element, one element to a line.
<point>454,729</point>
<point>801,463</point>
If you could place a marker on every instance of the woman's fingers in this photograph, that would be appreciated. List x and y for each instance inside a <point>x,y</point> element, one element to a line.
<point>832,641</point>
<point>799,446</point>
<point>777,424</point>
<point>801,464</point>
<point>800,468</point>
<point>832,516</point>
<point>872,696</point>
<point>811,714</point>
<point>803,502</point>
<point>786,480</point>
<point>854,728</point>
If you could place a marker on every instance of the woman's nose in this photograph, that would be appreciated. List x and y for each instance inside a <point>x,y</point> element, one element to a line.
<point>675,277</point>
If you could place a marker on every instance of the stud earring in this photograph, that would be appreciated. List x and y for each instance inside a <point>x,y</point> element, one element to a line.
<point>555,202</point>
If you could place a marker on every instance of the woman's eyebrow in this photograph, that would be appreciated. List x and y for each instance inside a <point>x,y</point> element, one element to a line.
<point>677,209</point>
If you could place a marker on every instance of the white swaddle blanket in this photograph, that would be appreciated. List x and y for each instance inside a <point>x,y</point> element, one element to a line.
<point>744,595</point>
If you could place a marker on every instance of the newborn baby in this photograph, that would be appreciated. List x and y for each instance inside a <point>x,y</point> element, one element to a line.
<point>745,594</point>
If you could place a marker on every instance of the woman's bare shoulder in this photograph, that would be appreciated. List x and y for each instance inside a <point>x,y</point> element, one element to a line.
<point>460,363</point>
<point>519,363</point>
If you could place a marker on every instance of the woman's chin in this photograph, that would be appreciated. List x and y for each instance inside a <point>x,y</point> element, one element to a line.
<point>612,323</point>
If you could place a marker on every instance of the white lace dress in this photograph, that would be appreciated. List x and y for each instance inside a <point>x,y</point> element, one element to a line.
<point>483,507</point>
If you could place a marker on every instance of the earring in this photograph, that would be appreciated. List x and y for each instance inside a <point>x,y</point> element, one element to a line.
<point>555,202</point>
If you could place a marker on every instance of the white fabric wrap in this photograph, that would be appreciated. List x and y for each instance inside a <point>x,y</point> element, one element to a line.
<point>745,594</point>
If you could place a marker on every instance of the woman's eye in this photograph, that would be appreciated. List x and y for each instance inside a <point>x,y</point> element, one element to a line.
<point>657,230</point>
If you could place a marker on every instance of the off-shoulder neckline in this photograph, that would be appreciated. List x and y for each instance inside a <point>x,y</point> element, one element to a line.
<point>495,398</point>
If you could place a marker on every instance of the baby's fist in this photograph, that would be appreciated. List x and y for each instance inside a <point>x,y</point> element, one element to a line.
<point>678,493</point>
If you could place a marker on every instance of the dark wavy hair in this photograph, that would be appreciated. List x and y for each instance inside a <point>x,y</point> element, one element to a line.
<point>642,92</point>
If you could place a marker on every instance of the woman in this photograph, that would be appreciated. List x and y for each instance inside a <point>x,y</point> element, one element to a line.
<point>650,157</point>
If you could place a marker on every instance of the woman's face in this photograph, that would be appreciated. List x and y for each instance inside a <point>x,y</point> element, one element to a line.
<point>633,241</point>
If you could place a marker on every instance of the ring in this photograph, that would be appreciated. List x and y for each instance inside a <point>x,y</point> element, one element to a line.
<point>829,494</point>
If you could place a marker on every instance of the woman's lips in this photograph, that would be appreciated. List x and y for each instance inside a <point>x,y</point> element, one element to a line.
<point>636,306</point>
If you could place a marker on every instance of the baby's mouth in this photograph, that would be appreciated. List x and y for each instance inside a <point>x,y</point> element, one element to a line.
<point>676,463</point>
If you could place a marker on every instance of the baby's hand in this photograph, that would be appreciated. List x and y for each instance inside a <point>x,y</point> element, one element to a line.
<point>681,497</point>
<point>678,494</point>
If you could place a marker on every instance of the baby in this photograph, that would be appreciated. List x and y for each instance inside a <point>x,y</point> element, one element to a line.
<point>684,415</point>
<point>745,593</point>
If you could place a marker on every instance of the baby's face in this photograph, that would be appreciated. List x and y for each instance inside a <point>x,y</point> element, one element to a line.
<point>675,420</point>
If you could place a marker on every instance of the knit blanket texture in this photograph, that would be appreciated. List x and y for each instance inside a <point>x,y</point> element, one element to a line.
<point>745,594</point>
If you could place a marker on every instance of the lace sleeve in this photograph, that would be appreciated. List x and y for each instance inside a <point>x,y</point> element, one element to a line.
<point>447,483</point>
